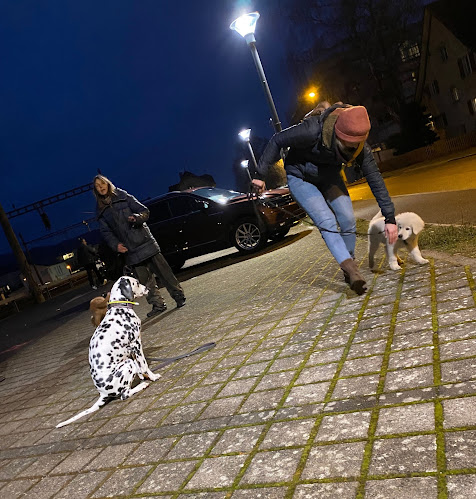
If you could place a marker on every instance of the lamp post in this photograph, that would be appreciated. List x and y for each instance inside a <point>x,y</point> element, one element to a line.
<point>245,25</point>
<point>245,136</point>
<point>244,164</point>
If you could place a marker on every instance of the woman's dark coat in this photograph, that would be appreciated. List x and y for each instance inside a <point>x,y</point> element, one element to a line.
<point>311,157</point>
<point>115,227</point>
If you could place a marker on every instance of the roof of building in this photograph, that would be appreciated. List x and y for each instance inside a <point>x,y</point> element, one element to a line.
<point>459,17</point>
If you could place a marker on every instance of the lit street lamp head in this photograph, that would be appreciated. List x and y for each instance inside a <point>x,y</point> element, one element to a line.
<point>244,163</point>
<point>245,134</point>
<point>245,25</point>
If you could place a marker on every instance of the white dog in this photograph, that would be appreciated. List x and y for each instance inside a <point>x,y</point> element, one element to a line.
<point>115,349</point>
<point>409,226</point>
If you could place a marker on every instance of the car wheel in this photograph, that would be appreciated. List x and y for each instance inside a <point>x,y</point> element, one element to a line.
<point>279,234</point>
<point>248,236</point>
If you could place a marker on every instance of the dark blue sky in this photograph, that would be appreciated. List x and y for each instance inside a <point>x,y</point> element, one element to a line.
<point>141,89</point>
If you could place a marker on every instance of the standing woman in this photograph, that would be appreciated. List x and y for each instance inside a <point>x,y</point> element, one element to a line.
<point>325,141</point>
<point>122,222</point>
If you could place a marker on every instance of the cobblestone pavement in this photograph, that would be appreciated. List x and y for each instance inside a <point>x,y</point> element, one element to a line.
<point>310,392</point>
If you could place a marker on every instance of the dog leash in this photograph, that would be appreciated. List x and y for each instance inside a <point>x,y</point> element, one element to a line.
<point>166,362</point>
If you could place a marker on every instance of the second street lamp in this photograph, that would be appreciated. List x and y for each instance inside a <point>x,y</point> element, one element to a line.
<point>245,25</point>
<point>244,164</point>
<point>245,136</point>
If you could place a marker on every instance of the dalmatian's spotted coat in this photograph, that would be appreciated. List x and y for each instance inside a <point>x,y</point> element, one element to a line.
<point>115,350</point>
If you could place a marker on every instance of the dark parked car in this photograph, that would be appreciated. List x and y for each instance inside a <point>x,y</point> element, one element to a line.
<point>205,219</point>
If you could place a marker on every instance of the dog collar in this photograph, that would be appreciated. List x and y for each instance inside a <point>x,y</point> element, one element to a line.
<point>121,303</point>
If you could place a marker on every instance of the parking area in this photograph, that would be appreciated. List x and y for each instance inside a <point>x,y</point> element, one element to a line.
<point>311,391</point>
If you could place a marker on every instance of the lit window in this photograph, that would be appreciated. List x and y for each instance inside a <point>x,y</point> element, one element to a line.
<point>409,51</point>
<point>472,105</point>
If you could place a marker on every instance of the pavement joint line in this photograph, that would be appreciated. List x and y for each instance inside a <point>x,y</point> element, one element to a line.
<point>438,406</point>
<point>472,285</point>
<point>374,414</point>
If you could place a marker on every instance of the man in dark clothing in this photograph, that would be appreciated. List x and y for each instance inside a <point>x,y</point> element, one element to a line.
<point>87,257</point>
<point>122,221</point>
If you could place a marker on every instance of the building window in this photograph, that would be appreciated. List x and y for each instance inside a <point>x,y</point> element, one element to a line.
<point>435,87</point>
<point>454,94</point>
<point>443,53</point>
<point>409,51</point>
<point>467,64</point>
<point>472,105</point>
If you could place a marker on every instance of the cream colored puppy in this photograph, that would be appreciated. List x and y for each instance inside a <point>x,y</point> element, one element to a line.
<point>98,308</point>
<point>409,226</point>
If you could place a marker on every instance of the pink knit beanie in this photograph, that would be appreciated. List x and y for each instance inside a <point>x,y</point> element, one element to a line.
<point>353,124</point>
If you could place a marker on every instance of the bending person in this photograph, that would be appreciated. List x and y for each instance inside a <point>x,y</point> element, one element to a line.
<point>329,138</point>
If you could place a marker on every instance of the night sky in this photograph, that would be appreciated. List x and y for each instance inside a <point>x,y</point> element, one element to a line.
<point>141,89</point>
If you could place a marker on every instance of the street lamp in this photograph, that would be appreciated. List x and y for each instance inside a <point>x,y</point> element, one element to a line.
<point>244,164</point>
<point>245,25</point>
<point>245,136</point>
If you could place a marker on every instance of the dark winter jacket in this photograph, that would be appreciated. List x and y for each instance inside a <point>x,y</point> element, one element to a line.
<point>310,157</point>
<point>115,227</point>
<point>86,255</point>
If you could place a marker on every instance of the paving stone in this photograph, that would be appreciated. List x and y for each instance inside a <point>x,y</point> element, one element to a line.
<point>411,358</point>
<point>82,485</point>
<point>311,393</point>
<point>402,488</point>
<point>151,451</point>
<point>325,356</point>
<point>415,417</point>
<point>238,440</point>
<point>286,363</point>
<point>457,317</point>
<point>111,456</point>
<point>461,486</point>
<point>46,487</point>
<point>195,445</point>
<point>333,461</point>
<point>344,426</point>
<point>459,412</point>
<point>457,332</point>
<point>202,393</point>
<point>222,407</point>
<point>411,340</point>
<point>260,401</point>
<point>41,466</point>
<point>272,466</point>
<point>407,379</point>
<point>288,434</point>
<point>317,373</point>
<point>216,472</point>
<point>122,482</point>
<point>455,349</point>
<point>362,366</point>
<point>403,455</point>
<point>458,370</point>
<point>356,387</point>
<point>17,488</point>
<point>367,348</point>
<point>459,446</point>
<point>76,461</point>
<point>376,333</point>
<point>261,493</point>
<point>252,370</point>
<point>342,490</point>
<point>167,477</point>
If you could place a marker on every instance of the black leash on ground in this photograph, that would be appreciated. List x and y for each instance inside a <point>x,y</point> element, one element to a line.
<point>166,362</point>
<point>321,229</point>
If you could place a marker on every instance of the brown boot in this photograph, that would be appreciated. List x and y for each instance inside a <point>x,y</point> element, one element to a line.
<point>356,281</point>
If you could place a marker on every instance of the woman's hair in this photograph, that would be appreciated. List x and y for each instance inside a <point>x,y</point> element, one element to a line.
<point>111,188</point>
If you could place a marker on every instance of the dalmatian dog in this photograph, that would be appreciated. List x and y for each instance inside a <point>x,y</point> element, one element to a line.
<point>115,349</point>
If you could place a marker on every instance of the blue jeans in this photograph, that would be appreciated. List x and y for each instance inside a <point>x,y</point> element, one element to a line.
<point>327,213</point>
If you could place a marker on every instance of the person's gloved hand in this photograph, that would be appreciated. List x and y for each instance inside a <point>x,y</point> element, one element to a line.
<point>259,185</point>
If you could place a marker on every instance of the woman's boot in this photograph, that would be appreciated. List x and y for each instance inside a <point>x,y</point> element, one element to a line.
<point>355,279</point>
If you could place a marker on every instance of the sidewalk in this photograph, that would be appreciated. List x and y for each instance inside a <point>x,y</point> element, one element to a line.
<point>310,392</point>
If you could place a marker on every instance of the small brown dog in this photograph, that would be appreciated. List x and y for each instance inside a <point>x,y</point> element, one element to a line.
<point>98,307</point>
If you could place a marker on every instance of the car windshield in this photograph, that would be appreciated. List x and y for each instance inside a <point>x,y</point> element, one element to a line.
<point>218,195</point>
